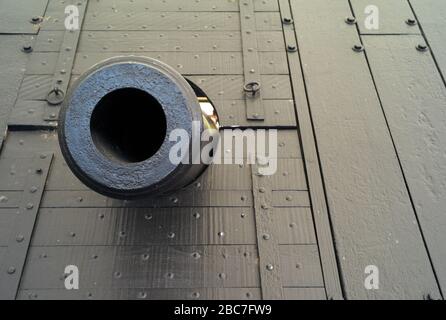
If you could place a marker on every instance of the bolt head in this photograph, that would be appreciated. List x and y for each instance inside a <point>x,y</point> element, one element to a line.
<point>350,20</point>
<point>422,47</point>
<point>358,48</point>
<point>411,22</point>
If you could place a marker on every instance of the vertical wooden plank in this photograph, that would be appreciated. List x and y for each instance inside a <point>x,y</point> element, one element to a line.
<point>251,69</point>
<point>373,219</point>
<point>414,99</point>
<point>311,161</point>
<point>431,15</point>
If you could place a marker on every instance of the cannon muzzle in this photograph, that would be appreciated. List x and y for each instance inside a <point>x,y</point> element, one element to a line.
<point>115,124</point>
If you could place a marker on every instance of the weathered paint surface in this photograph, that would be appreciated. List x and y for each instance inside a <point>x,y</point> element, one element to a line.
<point>360,154</point>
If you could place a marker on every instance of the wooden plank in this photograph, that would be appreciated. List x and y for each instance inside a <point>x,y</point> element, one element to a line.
<point>431,16</point>
<point>303,267</point>
<point>144,266</point>
<point>12,63</point>
<point>15,15</point>
<point>14,259</point>
<point>90,199</point>
<point>155,294</point>
<point>392,16</point>
<point>311,163</point>
<point>413,98</point>
<point>305,294</point>
<point>295,226</point>
<point>144,226</point>
<point>369,204</point>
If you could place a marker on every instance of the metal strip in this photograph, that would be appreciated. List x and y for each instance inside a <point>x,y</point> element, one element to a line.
<point>251,65</point>
<point>267,238</point>
<point>20,239</point>
<point>311,162</point>
<point>65,61</point>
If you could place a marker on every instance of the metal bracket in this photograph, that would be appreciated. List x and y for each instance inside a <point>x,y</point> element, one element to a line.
<point>251,66</point>
<point>20,239</point>
<point>65,62</point>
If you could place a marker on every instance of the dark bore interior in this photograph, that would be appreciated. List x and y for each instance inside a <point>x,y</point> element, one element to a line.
<point>128,125</point>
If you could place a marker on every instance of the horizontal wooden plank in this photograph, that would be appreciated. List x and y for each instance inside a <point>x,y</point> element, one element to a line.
<point>143,267</point>
<point>90,199</point>
<point>294,226</point>
<point>300,266</point>
<point>216,177</point>
<point>142,226</point>
<point>290,198</point>
<point>304,293</point>
<point>153,294</point>
<point>165,41</point>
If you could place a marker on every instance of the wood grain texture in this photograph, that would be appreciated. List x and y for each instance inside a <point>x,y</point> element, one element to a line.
<point>414,99</point>
<point>374,222</point>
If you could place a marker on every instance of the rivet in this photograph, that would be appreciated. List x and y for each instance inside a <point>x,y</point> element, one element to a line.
<point>291,48</point>
<point>170,275</point>
<point>142,295</point>
<point>33,189</point>
<point>358,48</point>
<point>145,256</point>
<point>350,20</point>
<point>422,47</point>
<point>36,19</point>
<point>287,20</point>
<point>221,234</point>
<point>171,235</point>
<point>39,170</point>
<point>264,206</point>
<point>20,238</point>
<point>243,198</point>
<point>29,206</point>
<point>269,267</point>
<point>289,198</point>
<point>222,276</point>
<point>148,217</point>
<point>411,22</point>
<point>196,255</point>
<point>262,190</point>
<point>11,270</point>
<point>27,48</point>
<point>196,295</point>
<point>196,215</point>
<point>174,199</point>
<point>266,236</point>
<point>72,234</point>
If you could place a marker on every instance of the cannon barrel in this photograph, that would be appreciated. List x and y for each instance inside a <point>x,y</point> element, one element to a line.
<point>115,123</point>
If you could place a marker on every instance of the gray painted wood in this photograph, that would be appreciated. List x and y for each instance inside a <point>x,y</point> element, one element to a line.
<point>431,15</point>
<point>311,164</point>
<point>158,294</point>
<point>414,99</point>
<point>373,220</point>
<point>12,63</point>
<point>15,15</point>
<point>392,17</point>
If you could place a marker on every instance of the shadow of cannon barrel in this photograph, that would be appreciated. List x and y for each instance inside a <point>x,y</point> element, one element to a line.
<point>115,124</point>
